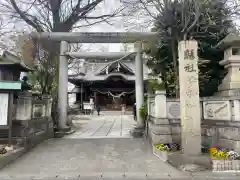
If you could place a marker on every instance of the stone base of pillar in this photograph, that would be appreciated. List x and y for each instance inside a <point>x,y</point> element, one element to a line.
<point>160,133</point>
<point>160,138</point>
<point>137,132</point>
<point>180,160</point>
<point>63,132</point>
<point>69,121</point>
<point>67,129</point>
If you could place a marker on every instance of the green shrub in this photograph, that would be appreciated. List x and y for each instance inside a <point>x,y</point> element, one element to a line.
<point>154,85</point>
<point>144,111</point>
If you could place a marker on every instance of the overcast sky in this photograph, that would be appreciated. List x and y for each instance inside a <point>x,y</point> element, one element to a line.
<point>121,24</point>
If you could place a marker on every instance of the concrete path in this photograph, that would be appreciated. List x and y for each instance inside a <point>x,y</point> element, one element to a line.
<point>104,126</point>
<point>91,157</point>
<point>78,156</point>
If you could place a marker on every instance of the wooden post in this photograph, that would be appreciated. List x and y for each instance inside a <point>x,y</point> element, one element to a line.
<point>95,98</point>
<point>10,116</point>
<point>81,96</point>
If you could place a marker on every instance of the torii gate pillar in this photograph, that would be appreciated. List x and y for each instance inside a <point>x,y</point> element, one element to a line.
<point>139,85</point>
<point>63,87</point>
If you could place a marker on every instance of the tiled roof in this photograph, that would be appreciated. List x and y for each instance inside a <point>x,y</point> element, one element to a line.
<point>91,71</point>
<point>8,58</point>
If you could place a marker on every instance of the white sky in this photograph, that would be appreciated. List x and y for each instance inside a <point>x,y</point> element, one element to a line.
<point>121,24</point>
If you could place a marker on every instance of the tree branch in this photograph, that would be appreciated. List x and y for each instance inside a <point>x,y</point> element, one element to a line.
<point>24,16</point>
<point>74,17</point>
<point>197,15</point>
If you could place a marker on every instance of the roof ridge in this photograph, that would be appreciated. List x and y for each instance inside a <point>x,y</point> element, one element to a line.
<point>113,62</point>
<point>10,57</point>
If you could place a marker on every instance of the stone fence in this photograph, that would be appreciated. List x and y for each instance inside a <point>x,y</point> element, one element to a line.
<point>32,121</point>
<point>220,120</point>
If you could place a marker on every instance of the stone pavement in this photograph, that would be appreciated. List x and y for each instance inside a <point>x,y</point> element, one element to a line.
<point>79,157</point>
<point>90,157</point>
<point>110,125</point>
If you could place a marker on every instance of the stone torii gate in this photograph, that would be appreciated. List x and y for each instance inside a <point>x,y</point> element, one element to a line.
<point>120,37</point>
<point>188,76</point>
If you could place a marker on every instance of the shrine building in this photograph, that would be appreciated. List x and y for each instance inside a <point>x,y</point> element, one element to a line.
<point>110,83</point>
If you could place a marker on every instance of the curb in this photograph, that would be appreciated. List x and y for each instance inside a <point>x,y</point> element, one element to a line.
<point>215,175</point>
<point>12,156</point>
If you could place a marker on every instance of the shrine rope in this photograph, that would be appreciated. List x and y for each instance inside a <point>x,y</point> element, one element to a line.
<point>115,96</point>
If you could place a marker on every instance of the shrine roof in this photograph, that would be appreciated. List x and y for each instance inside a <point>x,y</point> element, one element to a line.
<point>92,70</point>
<point>10,59</point>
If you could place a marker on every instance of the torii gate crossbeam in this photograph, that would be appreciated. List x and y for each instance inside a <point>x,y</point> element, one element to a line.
<point>97,37</point>
<point>101,56</point>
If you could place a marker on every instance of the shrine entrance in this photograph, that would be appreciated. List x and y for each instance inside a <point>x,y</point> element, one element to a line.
<point>114,93</point>
<point>141,41</point>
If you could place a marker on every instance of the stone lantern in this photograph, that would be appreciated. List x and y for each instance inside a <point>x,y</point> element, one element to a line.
<point>231,83</point>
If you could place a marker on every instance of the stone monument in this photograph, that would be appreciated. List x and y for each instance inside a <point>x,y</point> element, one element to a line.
<point>189,98</point>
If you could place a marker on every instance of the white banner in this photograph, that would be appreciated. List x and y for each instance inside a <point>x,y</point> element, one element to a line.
<point>3,109</point>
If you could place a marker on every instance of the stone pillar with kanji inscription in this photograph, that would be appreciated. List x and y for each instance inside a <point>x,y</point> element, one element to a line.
<point>189,98</point>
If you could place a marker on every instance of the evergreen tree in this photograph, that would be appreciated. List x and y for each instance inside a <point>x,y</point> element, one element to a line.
<point>212,26</point>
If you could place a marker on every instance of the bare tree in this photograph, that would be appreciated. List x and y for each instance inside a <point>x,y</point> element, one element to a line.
<point>56,16</point>
<point>7,35</point>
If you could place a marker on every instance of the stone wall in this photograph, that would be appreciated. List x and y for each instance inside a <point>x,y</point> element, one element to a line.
<point>220,121</point>
<point>32,121</point>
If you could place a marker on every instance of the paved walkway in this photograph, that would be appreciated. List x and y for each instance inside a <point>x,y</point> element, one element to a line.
<point>104,126</point>
<point>79,156</point>
<point>91,157</point>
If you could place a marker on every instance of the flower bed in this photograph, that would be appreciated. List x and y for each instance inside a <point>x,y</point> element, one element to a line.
<point>163,150</point>
<point>223,154</point>
<point>224,159</point>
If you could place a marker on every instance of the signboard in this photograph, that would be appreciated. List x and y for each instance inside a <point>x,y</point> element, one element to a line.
<point>91,100</point>
<point>87,106</point>
<point>10,85</point>
<point>3,109</point>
